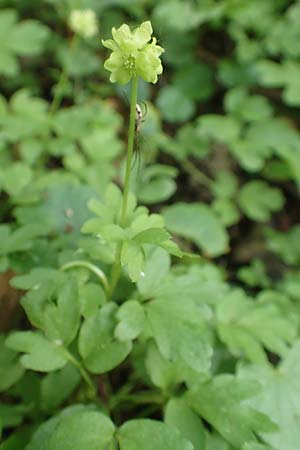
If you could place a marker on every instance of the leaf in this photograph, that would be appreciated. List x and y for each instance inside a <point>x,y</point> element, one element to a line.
<point>225,185</point>
<point>247,107</point>
<point>286,245</point>
<point>219,128</point>
<point>155,270</point>
<point>153,236</point>
<point>285,74</point>
<point>61,210</point>
<point>12,415</point>
<point>278,398</point>
<point>131,319</point>
<point>195,80</point>
<point>179,415</point>
<point>16,178</point>
<point>99,349</point>
<point>25,38</point>
<point>67,306</point>
<point>41,354</point>
<point>180,332</point>
<point>10,368</point>
<point>254,274</point>
<point>146,434</point>
<point>27,117</point>
<point>258,200</point>
<point>221,402</point>
<point>83,430</point>
<point>174,105</point>
<point>75,428</point>
<point>248,327</point>
<point>199,223</point>
<point>19,240</point>
<point>91,297</point>
<point>132,257</point>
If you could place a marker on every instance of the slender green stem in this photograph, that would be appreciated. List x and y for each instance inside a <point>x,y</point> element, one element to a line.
<point>57,98</point>
<point>71,358</point>
<point>87,265</point>
<point>131,135</point>
<point>116,270</point>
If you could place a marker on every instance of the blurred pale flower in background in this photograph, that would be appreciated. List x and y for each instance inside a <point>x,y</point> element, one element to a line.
<point>83,22</point>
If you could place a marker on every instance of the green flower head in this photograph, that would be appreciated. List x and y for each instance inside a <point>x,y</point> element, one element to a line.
<point>133,54</point>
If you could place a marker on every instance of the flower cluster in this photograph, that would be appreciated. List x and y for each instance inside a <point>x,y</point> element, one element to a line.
<point>83,22</point>
<point>133,54</point>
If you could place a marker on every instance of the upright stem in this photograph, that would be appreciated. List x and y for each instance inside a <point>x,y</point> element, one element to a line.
<point>116,270</point>
<point>131,135</point>
<point>83,372</point>
<point>58,96</point>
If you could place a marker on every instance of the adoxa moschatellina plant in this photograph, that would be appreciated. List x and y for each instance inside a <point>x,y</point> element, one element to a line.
<point>163,337</point>
<point>133,55</point>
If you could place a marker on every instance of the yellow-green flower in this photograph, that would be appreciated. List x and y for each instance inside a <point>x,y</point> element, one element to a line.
<point>83,22</point>
<point>133,54</point>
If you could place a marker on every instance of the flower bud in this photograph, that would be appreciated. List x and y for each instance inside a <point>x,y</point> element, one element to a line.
<point>83,22</point>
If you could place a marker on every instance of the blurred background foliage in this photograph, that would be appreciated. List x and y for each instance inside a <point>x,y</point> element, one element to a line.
<point>219,149</point>
<point>220,140</point>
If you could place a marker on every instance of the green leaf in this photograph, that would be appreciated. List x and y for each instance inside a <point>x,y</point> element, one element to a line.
<point>26,118</point>
<point>12,415</point>
<point>199,223</point>
<point>286,245</point>
<point>10,368</point>
<point>85,430</point>
<point>195,80</point>
<point>15,178</point>
<point>41,354</point>
<point>75,428</point>
<point>219,128</point>
<point>17,440</point>
<point>61,210</point>
<point>91,297</point>
<point>179,415</point>
<point>221,402</point>
<point>155,270</point>
<point>56,326</point>
<point>25,38</point>
<point>248,327</point>
<point>174,105</point>
<point>180,332</point>
<point>146,434</point>
<point>250,108</point>
<point>132,257</point>
<point>227,211</point>
<point>153,236</point>
<point>254,274</point>
<point>131,317</point>
<point>225,185</point>
<point>278,398</point>
<point>286,75</point>
<point>258,200</point>
<point>99,349</point>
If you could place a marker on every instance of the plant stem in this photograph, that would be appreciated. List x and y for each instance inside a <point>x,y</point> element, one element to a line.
<point>83,372</point>
<point>87,265</point>
<point>116,269</point>
<point>131,135</point>
<point>57,98</point>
